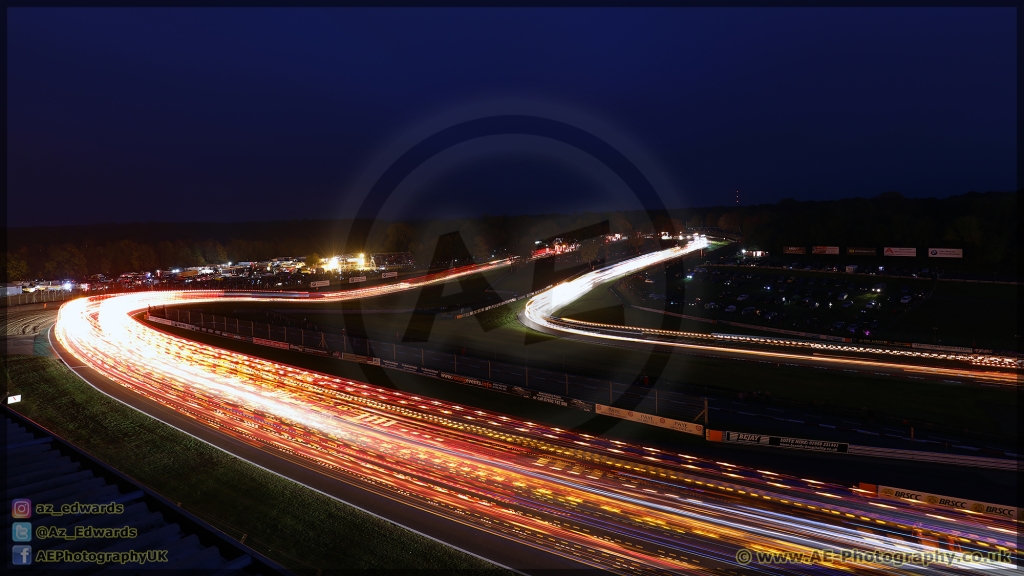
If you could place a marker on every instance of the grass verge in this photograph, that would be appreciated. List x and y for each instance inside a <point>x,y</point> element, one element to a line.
<point>231,494</point>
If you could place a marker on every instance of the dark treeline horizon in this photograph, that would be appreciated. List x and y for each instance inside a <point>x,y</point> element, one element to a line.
<point>983,224</point>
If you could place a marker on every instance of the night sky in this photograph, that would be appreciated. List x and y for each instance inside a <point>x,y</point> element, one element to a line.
<point>119,115</point>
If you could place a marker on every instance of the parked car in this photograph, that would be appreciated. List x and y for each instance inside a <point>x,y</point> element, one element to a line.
<point>872,305</point>
<point>711,306</point>
<point>742,297</point>
<point>749,310</point>
<point>847,304</point>
<point>842,296</point>
<point>771,316</point>
<point>852,328</point>
<point>730,308</point>
<point>906,299</point>
<point>838,325</point>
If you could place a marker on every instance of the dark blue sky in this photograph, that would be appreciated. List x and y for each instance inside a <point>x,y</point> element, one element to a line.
<point>119,115</point>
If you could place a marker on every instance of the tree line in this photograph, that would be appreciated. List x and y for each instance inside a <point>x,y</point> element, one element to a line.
<point>983,224</point>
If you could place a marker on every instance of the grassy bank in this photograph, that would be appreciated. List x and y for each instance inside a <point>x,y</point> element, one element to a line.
<point>234,496</point>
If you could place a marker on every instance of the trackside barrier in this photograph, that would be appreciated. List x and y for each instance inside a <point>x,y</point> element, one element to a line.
<point>751,326</point>
<point>539,383</point>
<point>962,504</point>
<point>499,304</point>
<point>853,450</point>
<point>522,392</point>
<point>937,457</point>
<point>961,353</point>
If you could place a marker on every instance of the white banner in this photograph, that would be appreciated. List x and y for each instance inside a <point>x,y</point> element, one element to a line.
<point>678,425</point>
<point>357,279</point>
<point>13,399</point>
<point>945,253</point>
<point>319,283</point>
<point>783,442</point>
<point>890,251</point>
<point>389,275</point>
<point>1008,512</point>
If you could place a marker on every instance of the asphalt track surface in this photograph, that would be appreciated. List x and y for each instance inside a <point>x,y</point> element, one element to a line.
<point>498,550</point>
<point>513,486</point>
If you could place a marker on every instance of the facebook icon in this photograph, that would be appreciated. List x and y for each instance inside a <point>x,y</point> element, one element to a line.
<point>22,555</point>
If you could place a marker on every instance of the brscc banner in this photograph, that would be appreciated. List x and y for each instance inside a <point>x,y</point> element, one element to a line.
<point>1008,512</point>
<point>825,250</point>
<point>945,253</point>
<point>890,251</point>
<point>862,251</point>
<point>794,250</point>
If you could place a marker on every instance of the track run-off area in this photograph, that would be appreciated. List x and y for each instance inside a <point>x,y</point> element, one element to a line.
<point>606,504</point>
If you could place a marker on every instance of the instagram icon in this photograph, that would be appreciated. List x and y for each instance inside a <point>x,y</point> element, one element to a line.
<point>21,508</point>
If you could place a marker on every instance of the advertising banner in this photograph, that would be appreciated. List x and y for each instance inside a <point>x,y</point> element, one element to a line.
<point>474,381</point>
<point>357,279</point>
<point>271,343</point>
<point>551,398</point>
<point>319,283</point>
<point>943,348</point>
<point>359,358</point>
<point>677,425</point>
<point>890,251</point>
<point>782,442</point>
<point>794,250</point>
<point>1008,512</point>
<point>825,250</point>
<point>389,275</point>
<point>945,253</point>
<point>862,251</point>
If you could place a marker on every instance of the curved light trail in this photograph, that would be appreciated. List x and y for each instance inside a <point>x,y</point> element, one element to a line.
<point>613,505</point>
<point>540,313</point>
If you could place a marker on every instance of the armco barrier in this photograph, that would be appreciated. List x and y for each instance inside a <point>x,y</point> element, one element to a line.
<point>585,388</point>
<point>828,337</point>
<point>853,450</point>
<point>522,392</point>
<point>936,457</point>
